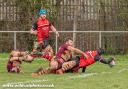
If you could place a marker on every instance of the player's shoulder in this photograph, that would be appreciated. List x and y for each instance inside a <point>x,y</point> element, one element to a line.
<point>47,21</point>
<point>66,45</point>
<point>63,46</point>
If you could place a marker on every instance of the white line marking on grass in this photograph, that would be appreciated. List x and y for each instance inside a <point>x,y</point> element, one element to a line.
<point>122,70</point>
<point>90,74</point>
<point>84,75</point>
<point>30,81</point>
<point>105,72</point>
<point>93,74</point>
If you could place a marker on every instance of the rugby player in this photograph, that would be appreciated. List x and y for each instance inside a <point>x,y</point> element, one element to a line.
<point>63,55</point>
<point>82,62</point>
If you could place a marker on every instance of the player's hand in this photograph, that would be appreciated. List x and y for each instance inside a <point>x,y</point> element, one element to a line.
<point>33,32</point>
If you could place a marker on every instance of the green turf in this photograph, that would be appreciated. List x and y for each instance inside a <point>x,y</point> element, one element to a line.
<point>97,76</point>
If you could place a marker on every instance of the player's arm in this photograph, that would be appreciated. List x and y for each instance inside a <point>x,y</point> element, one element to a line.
<point>76,51</point>
<point>16,59</point>
<point>54,30</point>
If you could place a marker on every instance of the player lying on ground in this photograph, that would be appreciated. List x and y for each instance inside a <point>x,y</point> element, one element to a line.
<point>16,58</point>
<point>64,54</point>
<point>82,62</point>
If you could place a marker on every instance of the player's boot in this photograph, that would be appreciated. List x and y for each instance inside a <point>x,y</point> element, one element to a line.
<point>111,62</point>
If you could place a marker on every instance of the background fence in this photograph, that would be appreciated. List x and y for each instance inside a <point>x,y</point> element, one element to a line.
<point>85,40</point>
<point>67,15</point>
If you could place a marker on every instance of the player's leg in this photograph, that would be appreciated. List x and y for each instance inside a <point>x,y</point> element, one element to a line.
<point>110,61</point>
<point>49,50</point>
<point>42,45</point>
<point>83,69</point>
<point>28,58</point>
<point>52,67</point>
<point>71,66</point>
<point>48,53</point>
<point>25,57</point>
<point>18,53</point>
<point>40,41</point>
<point>46,42</point>
<point>16,58</point>
<point>15,53</point>
<point>43,42</point>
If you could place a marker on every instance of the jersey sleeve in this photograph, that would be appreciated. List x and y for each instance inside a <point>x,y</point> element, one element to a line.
<point>34,26</point>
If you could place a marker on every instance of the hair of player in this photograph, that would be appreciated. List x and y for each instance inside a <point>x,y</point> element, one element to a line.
<point>67,39</point>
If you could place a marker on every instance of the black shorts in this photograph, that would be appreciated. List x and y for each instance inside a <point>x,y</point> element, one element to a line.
<point>46,42</point>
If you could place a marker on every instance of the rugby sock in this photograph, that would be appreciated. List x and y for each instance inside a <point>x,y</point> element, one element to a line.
<point>104,61</point>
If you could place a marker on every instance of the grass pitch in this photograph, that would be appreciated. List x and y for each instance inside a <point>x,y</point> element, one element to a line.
<point>97,76</point>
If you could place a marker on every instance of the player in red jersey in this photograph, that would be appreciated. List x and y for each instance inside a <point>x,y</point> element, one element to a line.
<point>82,62</point>
<point>41,28</point>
